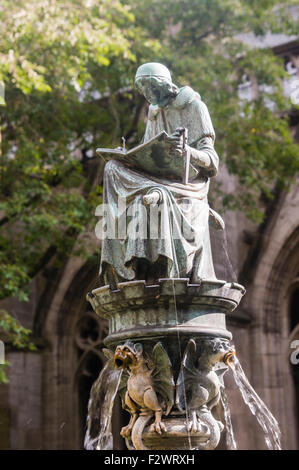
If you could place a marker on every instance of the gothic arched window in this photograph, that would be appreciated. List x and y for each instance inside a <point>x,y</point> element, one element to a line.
<point>90,332</point>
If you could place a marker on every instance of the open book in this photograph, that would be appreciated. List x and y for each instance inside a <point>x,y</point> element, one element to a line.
<point>154,157</point>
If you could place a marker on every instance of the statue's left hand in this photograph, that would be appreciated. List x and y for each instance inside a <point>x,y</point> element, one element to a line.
<point>176,141</point>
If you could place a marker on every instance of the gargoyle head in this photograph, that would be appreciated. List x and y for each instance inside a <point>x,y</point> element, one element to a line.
<point>216,350</point>
<point>127,354</point>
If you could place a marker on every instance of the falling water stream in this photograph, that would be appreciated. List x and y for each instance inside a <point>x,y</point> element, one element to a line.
<point>257,407</point>
<point>99,419</point>
<point>230,438</point>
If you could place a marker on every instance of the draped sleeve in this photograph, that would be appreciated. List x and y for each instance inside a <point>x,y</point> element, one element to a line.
<point>202,137</point>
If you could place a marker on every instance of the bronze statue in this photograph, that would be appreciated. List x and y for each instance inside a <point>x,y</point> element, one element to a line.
<point>181,248</point>
<point>157,277</point>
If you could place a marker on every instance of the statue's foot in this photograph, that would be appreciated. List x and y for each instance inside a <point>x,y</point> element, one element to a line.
<point>221,425</point>
<point>151,198</point>
<point>159,427</point>
<point>194,425</point>
<point>126,431</point>
<point>110,277</point>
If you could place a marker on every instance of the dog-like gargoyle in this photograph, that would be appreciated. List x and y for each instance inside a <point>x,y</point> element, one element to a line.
<point>199,386</point>
<point>146,389</point>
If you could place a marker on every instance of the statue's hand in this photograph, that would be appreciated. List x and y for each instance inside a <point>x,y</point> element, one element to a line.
<point>152,198</point>
<point>176,142</point>
<point>120,148</point>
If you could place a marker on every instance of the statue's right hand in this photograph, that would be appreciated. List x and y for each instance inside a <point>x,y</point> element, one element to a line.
<point>175,140</point>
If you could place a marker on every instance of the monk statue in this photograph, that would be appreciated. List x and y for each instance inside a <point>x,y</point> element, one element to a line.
<point>181,245</point>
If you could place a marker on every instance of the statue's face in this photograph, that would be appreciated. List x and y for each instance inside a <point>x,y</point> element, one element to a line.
<point>155,90</point>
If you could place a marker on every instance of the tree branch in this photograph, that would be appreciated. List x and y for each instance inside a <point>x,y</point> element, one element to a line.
<point>211,30</point>
<point>133,127</point>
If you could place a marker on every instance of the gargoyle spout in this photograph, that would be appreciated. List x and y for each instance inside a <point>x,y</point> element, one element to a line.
<point>125,355</point>
<point>229,357</point>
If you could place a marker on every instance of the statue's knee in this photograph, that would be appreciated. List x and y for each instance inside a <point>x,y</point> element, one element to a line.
<point>111,167</point>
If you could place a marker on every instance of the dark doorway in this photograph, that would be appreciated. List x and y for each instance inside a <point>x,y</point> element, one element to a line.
<point>294,309</point>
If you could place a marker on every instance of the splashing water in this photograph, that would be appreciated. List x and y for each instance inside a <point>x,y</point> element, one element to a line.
<point>230,438</point>
<point>257,407</point>
<point>99,419</point>
<point>181,358</point>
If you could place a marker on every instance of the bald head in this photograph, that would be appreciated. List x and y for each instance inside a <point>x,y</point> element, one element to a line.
<point>153,69</point>
<point>153,80</point>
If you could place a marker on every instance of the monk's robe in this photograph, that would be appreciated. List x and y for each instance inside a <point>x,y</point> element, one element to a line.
<point>177,229</point>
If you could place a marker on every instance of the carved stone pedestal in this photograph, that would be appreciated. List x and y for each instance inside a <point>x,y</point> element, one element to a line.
<point>176,437</point>
<point>169,339</point>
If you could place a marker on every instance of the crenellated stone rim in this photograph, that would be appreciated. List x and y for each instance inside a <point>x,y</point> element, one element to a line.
<point>136,309</point>
<point>136,294</point>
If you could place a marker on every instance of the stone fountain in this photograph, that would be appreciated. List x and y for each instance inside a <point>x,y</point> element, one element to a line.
<point>175,330</point>
<point>168,346</point>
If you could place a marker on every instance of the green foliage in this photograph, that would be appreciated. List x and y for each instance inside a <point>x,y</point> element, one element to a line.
<point>16,335</point>
<point>54,56</point>
<point>3,376</point>
<point>202,43</point>
<point>68,68</point>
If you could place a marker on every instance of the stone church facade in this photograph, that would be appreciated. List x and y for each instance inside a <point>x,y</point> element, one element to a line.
<point>44,405</point>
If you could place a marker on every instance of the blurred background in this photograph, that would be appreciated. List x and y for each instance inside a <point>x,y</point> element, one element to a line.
<point>66,87</point>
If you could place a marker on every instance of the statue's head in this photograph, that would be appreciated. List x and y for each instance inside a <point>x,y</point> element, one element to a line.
<point>153,80</point>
